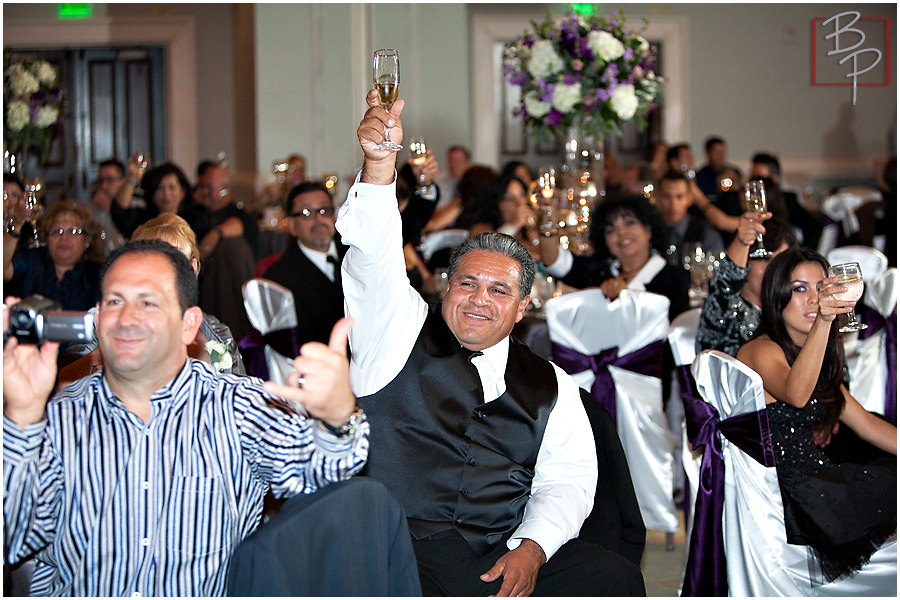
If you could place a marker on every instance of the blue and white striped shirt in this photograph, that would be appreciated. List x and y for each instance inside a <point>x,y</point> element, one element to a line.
<point>114,506</point>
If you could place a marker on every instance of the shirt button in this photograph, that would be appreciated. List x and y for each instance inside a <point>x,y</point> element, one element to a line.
<point>470,460</point>
<point>146,485</point>
<point>136,594</point>
<point>458,520</point>
<point>145,542</point>
<point>464,491</point>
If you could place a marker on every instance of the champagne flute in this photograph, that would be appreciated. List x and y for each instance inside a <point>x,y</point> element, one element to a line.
<point>755,197</point>
<point>33,211</point>
<point>850,276</point>
<point>386,78</point>
<point>418,150</point>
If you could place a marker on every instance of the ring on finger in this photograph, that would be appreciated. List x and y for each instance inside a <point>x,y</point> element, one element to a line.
<point>300,381</point>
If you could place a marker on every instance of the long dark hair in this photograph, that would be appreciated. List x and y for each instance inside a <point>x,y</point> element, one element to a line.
<point>776,293</point>
<point>153,178</point>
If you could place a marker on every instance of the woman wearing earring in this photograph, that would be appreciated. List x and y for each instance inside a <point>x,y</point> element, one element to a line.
<point>67,267</point>
<point>842,511</point>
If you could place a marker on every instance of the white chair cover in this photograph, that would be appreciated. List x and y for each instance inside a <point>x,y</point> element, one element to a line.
<point>842,206</point>
<point>270,307</point>
<point>760,562</point>
<point>587,322</point>
<point>872,262</point>
<point>446,238</point>
<point>682,335</point>
<point>866,358</point>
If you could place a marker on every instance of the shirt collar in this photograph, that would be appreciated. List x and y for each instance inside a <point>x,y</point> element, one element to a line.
<point>320,259</point>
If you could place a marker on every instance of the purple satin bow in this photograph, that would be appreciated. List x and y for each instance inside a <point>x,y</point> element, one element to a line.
<point>646,361</point>
<point>705,573</point>
<point>876,322</point>
<point>253,353</point>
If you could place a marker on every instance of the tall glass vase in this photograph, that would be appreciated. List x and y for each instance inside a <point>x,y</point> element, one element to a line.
<point>584,184</point>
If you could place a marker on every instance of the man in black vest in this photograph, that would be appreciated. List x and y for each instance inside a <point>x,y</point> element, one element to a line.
<point>310,266</point>
<point>680,227</point>
<point>486,445</point>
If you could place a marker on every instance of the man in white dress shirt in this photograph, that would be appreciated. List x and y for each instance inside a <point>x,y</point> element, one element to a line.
<point>486,445</point>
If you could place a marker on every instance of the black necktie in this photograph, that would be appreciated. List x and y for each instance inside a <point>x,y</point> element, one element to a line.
<point>336,266</point>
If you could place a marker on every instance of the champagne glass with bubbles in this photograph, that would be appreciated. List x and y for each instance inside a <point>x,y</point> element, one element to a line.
<point>386,78</point>
<point>850,276</point>
<point>755,196</point>
<point>418,153</point>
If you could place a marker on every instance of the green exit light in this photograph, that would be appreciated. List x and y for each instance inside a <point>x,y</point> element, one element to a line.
<point>72,10</point>
<point>584,9</point>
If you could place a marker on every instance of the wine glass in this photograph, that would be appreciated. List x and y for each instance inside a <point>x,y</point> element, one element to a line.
<point>546,191</point>
<point>417,150</point>
<point>386,78</point>
<point>33,211</point>
<point>850,276</point>
<point>755,197</point>
<point>142,161</point>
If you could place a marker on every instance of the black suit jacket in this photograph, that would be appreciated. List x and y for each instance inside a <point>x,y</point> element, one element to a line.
<point>318,301</point>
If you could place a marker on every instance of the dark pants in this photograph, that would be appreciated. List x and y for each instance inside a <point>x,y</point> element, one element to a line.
<point>449,567</point>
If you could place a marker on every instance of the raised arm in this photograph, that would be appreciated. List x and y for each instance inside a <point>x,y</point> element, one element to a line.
<point>29,373</point>
<point>388,312</point>
<point>749,227</point>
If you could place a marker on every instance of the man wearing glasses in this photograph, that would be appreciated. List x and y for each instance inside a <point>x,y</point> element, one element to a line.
<point>310,267</point>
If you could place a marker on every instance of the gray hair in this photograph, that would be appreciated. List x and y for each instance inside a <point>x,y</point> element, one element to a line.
<point>499,243</point>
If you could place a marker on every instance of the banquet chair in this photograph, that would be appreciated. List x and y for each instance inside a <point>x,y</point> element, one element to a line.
<point>682,337</point>
<point>269,349</point>
<point>441,240</point>
<point>872,352</point>
<point>871,261</point>
<point>738,546</point>
<point>615,349</point>
<point>839,210</point>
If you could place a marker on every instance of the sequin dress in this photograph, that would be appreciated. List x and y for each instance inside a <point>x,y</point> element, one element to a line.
<point>727,321</point>
<point>843,511</point>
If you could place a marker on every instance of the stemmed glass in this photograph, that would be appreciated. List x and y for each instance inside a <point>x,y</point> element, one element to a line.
<point>417,150</point>
<point>850,276</point>
<point>33,211</point>
<point>546,191</point>
<point>386,78</point>
<point>755,196</point>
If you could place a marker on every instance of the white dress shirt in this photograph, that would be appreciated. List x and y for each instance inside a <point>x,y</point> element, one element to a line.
<point>389,315</point>
<point>320,259</point>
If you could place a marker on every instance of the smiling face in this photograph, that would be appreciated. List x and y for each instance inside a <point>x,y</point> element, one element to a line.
<point>628,239</point>
<point>69,248</point>
<point>512,200</point>
<point>483,302</point>
<point>142,331</point>
<point>315,231</point>
<point>169,194</point>
<point>803,307</point>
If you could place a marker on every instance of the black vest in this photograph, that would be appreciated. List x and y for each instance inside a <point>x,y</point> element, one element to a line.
<point>447,456</point>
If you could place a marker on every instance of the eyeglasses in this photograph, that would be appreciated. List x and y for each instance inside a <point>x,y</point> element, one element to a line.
<point>306,213</point>
<point>74,231</point>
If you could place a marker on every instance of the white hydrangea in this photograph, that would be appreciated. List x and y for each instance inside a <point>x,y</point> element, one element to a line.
<point>624,101</point>
<point>534,106</point>
<point>17,115</point>
<point>23,83</point>
<point>45,72</point>
<point>605,45</point>
<point>644,45</point>
<point>565,97</point>
<point>224,363</point>
<point>544,60</point>
<point>46,116</point>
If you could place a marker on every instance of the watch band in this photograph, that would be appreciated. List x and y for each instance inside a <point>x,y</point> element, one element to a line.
<point>349,426</point>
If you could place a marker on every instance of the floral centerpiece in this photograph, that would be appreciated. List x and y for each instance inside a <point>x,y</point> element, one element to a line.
<point>219,355</point>
<point>32,103</point>
<point>586,72</point>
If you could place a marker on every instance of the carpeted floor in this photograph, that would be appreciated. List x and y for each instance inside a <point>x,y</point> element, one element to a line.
<point>661,567</point>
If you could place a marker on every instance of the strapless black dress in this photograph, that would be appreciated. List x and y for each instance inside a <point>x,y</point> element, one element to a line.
<point>843,511</point>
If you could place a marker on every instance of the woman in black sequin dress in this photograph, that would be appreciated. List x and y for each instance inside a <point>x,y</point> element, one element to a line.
<point>843,511</point>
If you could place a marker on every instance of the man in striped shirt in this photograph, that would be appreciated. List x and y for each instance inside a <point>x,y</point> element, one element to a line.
<point>142,479</point>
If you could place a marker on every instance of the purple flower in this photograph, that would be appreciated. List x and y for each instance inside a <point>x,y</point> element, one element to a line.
<point>554,117</point>
<point>520,78</point>
<point>571,79</point>
<point>527,41</point>
<point>603,95</point>
<point>629,54</point>
<point>546,94</point>
<point>610,74</point>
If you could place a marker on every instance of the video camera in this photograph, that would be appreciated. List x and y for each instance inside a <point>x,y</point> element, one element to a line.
<point>36,319</point>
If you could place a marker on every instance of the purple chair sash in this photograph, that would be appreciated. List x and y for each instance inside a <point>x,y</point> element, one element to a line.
<point>646,361</point>
<point>705,573</point>
<point>876,322</point>
<point>252,346</point>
